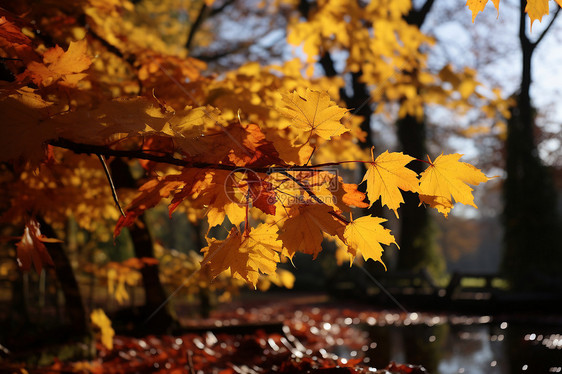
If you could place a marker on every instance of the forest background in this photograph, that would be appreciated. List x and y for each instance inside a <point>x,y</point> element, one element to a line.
<point>139,78</point>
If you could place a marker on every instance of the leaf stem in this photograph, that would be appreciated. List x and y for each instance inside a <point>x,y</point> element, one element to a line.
<point>424,161</point>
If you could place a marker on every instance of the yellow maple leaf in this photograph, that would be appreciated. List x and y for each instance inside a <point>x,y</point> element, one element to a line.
<point>99,319</point>
<point>477,6</point>
<point>245,255</point>
<point>386,176</point>
<point>282,278</point>
<point>442,204</point>
<point>366,234</point>
<point>446,179</point>
<point>342,255</point>
<point>314,111</point>
<point>303,230</point>
<point>536,9</point>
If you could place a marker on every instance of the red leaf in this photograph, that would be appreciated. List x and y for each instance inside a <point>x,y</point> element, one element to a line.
<point>31,249</point>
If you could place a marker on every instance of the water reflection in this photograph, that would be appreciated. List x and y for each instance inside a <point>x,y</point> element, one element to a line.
<point>416,344</point>
<point>443,344</point>
<point>534,350</point>
<point>469,348</point>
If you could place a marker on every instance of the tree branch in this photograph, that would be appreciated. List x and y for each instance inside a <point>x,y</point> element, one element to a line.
<point>547,28</point>
<point>102,150</point>
<point>213,57</point>
<point>225,5</point>
<point>203,13</point>
<point>417,16</point>
<point>523,38</point>
<point>81,148</point>
<point>111,185</point>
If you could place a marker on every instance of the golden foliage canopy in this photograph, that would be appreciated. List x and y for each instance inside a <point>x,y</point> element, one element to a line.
<point>254,149</point>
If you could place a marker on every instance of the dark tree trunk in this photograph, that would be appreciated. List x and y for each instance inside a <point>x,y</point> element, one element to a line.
<point>19,313</point>
<point>73,304</point>
<point>532,249</point>
<point>359,102</point>
<point>155,296</point>
<point>153,316</point>
<point>418,247</point>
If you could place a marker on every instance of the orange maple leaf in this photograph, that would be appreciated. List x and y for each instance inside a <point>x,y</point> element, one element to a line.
<point>352,196</point>
<point>26,140</point>
<point>249,146</point>
<point>246,255</point>
<point>314,111</point>
<point>446,179</point>
<point>58,64</point>
<point>188,184</point>
<point>15,44</point>
<point>222,195</point>
<point>303,230</point>
<point>387,175</point>
<point>150,194</point>
<point>236,144</point>
<point>261,193</point>
<point>366,234</point>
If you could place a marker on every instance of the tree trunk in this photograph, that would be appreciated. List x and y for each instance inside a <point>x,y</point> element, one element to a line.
<point>155,296</point>
<point>73,305</point>
<point>153,317</point>
<point>359,103</point>
<point>418,246</point>
<point>532,249</point>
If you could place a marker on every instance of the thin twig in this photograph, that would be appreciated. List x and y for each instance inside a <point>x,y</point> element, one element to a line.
<point>313,196</point>
<point>113,192</point>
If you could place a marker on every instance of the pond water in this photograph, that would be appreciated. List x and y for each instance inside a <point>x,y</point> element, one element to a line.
<point>348,334</point>
<point>469,346</point>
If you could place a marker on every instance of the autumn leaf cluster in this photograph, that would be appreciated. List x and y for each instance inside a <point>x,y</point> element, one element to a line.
<point>255,150</point>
